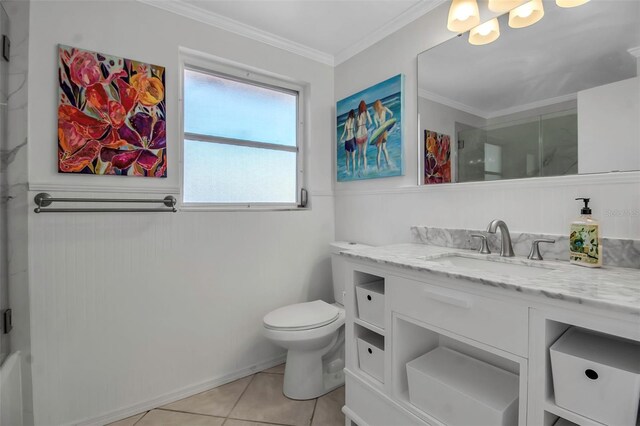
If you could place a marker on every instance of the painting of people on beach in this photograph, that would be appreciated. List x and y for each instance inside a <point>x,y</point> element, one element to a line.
<point>437,157</point>
<point>111,115</point>
<point>369,132</point>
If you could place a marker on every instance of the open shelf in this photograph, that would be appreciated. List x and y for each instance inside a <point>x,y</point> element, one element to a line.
<point>413,339</point>
<point>550,419</point>
<point>553,331</point>
<point>370,298</point>
<point>551,407</point>
<point>368,326</point>
<point>370,354</point>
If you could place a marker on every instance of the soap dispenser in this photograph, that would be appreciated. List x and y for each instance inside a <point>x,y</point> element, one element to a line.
<point>585,240</point>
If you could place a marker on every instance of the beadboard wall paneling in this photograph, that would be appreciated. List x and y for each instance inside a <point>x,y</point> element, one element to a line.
<point>533,206</point>
<point>129,307</point>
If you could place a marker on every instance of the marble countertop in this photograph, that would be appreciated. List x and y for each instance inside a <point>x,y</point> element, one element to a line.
<point>608,288</point>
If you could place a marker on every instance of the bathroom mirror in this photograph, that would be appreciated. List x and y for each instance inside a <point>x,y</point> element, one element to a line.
<point>560,97</point>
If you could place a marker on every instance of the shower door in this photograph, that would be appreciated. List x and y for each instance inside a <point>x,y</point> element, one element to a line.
<point>4,95</point>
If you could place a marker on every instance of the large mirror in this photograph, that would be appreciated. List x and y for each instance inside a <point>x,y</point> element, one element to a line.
<point>557,98</point>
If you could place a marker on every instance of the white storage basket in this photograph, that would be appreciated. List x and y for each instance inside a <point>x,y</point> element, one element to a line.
<point>371,303</point>
<point>460,390</point>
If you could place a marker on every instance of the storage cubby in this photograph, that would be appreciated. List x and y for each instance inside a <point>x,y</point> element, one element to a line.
<point>413,339</point>
<point>581,356</point>
<point>370,352</point>
<point>370,298</point>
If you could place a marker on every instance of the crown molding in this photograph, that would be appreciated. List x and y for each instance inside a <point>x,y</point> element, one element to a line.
<point>532,105</point>
<point>405,18</point>
<point>197,13</point>
<point>191,11</point>
<point>487,115</point>
<point>453,104</point>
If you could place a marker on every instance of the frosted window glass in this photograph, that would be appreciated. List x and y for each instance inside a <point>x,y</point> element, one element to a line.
<point>217,106</point>
<point>219,173</point>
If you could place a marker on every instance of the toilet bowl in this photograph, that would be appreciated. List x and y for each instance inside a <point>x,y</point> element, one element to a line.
<point>313,334</point>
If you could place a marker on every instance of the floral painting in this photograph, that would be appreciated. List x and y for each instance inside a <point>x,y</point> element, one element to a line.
<point>369,132</point>
<point>437,157</point>
<point>111,115</point>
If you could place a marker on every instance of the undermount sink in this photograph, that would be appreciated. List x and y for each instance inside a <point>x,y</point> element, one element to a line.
<point>494,266</point>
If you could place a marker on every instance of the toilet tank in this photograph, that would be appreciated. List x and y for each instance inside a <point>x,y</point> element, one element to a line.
<point>337,265</point>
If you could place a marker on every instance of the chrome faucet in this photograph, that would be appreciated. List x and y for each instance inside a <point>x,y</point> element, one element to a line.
<point>506,249</point>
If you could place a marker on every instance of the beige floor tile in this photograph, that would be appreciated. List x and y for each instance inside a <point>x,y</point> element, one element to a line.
<point>329,409</point>
<point>263,401</point>
<point>214,402</point>
<point>278,369</point>
<point>173,418</point>
<point>129,421</point>
<point>234,422</point>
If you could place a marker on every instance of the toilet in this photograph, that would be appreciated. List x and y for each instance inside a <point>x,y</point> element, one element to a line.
<point>313,334</point>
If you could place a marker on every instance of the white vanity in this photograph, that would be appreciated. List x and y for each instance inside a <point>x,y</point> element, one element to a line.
<point>503,312</point>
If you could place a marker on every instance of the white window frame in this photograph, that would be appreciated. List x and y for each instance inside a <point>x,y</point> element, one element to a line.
<point>200,62</point>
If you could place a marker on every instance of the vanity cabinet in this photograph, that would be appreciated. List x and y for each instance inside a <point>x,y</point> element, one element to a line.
<point>500,327</point>
<point>495,322</point>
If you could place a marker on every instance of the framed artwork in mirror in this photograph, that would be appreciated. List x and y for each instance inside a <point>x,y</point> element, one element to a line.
<point>437,157</point>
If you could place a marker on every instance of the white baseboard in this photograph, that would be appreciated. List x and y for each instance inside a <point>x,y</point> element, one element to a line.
<point>180,393</point>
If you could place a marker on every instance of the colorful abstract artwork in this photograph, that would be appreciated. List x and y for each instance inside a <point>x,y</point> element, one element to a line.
<point>111,115</point>
<point>369,132</point>
<point>437,157</point>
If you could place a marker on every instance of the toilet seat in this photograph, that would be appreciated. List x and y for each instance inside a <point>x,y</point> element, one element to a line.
<point>302,316</point>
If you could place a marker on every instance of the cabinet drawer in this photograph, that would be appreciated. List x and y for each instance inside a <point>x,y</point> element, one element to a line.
<point>486,320</point>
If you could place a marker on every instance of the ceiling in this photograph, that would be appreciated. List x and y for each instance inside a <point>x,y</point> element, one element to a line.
<point>569,50</point>
<point>327,30</point>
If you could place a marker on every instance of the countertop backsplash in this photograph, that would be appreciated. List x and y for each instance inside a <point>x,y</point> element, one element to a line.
<point>617,252</point>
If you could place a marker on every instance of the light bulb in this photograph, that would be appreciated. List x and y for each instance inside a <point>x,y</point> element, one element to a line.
<point>464,12</point>
<point>485,33</point>
<point>525,11</point>
<point>527,14</point>
<point>483,30</point>
<point>463,15</point>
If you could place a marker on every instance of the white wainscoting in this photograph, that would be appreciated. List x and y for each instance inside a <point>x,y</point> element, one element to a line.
<point>129,308</point>
<point>540,205</point>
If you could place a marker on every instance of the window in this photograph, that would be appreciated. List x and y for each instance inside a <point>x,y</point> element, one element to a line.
<point>241,139</point>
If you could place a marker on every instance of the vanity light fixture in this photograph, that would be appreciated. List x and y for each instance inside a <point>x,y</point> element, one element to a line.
<point>485,33</point>
<point>463,15</point>
<point>570,3</point>
<point>501,6</point>
<point>527,14</point>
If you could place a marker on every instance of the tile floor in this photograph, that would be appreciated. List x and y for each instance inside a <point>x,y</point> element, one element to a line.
<point>251,401</point>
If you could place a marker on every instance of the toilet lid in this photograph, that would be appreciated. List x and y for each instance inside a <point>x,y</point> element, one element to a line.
<point>302,316</point>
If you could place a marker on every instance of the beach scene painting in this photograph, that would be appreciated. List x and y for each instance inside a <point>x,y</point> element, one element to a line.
<point>369,132</point>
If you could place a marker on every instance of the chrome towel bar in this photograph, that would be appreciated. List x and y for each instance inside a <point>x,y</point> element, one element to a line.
<point>44,200</point>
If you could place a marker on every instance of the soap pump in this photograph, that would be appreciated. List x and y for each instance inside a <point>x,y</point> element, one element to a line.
<point>585,241</point>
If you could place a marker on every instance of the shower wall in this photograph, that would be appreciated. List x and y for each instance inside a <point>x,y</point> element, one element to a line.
<point>13,163</point>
